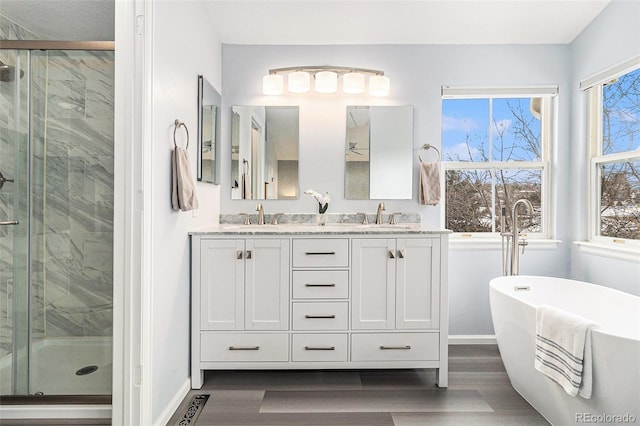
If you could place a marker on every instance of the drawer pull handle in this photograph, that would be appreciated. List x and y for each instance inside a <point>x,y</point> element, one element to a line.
<point>320,285</point>
<point>320,316</point>
<point>320,253</point>
<point>318,348</point>
<point>239,254</point>
<point>402,348</point>
<point>248,254</point>
<point>244,348</point>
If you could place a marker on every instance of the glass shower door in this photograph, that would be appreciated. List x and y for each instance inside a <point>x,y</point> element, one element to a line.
<point>14,223</point>
<point>56,216</point>
<point>71,222</point>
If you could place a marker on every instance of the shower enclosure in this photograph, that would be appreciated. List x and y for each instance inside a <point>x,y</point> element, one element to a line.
<point>56,222</point>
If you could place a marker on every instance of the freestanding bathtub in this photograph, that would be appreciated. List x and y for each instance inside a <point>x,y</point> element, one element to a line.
<point>615,347</point>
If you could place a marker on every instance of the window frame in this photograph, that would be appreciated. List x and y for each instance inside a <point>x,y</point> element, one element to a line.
<point>548,136</point>
<point>593,87</point>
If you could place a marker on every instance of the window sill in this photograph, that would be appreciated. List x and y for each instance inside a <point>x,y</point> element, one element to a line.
<point>629,253</point>
<point>463,243</point>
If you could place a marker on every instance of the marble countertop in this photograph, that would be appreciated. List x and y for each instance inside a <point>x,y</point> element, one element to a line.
<point>314,229</point>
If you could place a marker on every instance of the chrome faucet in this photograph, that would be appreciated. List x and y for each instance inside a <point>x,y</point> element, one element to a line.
<point>513,238</point>
<point>260,211</point>
<point>379,214</point>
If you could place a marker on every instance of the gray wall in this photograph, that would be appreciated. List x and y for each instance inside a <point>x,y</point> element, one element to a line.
<point>613,37</point>
<point>185,45</point>
<point>417,73</point>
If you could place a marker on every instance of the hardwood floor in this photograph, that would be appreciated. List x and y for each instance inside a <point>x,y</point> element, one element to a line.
<point>479,393</point>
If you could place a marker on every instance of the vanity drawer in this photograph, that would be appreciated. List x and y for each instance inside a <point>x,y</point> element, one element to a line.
<point>320,284</point>
<point>329,252</point>
<point>320,315</point>
<point>320,347</point>
<point>394,347</point>
<point>244,347</point>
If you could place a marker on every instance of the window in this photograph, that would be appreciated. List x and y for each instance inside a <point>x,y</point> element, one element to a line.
<point>614,133</point>
<point>495,152</point>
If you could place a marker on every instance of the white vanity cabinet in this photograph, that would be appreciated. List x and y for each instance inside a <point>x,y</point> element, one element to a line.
<point>244,284</point>
<point>326,298</point>
<point>395,283</point>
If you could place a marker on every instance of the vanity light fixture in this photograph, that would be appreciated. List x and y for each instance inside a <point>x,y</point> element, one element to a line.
<point>325,80</point>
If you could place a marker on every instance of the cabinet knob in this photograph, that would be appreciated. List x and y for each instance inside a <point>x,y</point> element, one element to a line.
<point>239,254</point>
<point>401,254</point>
<point>392,254</point>
<point>248,254</point>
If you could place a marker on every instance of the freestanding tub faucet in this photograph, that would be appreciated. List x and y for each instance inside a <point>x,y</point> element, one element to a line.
<point>516,242</point>
<point>511,241</point>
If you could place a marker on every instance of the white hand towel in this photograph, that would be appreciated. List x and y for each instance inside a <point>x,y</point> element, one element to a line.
<point>563,349</point>
<point>183,194</point>
<point>429,183</point>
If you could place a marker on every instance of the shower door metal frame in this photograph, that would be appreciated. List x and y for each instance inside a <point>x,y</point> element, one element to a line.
<point>30,45</point>
<point>56,45</point>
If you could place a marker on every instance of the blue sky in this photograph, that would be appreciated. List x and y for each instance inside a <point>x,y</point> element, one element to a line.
<point>624,119</point>
<point>469,120</point>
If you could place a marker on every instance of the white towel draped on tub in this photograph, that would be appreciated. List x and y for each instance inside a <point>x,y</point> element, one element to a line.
<point>429,183</point>
<point>563,349</point>
<point>183,194</point>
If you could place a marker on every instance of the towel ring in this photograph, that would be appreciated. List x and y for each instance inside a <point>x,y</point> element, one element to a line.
<point>427,147</point>
<point>178,124</point>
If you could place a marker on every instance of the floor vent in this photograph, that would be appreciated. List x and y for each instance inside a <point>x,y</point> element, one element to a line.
<point>193,410</point>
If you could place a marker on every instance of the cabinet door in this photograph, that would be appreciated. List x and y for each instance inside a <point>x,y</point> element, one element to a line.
<point>373,272</point>
<point>267,284</point>
<point>417,283</point>
<point>222,285</point>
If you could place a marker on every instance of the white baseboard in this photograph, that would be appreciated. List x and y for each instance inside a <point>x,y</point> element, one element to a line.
<point>62,411</point>
<point>473,339</point>
<point>173,405</point>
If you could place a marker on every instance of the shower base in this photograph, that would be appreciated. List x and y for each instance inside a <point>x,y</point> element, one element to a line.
<point>55,362</point>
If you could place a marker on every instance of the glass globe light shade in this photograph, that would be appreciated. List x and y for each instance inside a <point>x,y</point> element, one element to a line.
<point>272,84</point>
<point>326,82</point>
<point>299,82</point>
<point>353,83</point>
<point>379,85</point>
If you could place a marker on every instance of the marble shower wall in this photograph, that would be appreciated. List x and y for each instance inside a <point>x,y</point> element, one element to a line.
<point>9,30</point>
<point>13,160</point>
<point>72,204</point>
<point>71,208</point>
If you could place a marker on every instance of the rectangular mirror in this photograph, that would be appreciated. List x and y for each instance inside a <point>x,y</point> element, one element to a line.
<point>379,153</point>
<point>264,152</point>
<point>208,132</point>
